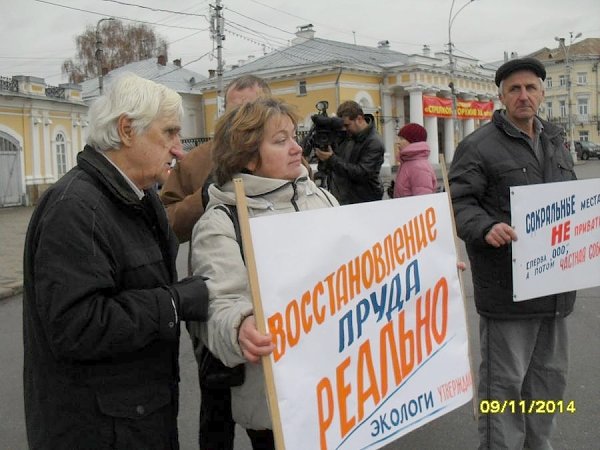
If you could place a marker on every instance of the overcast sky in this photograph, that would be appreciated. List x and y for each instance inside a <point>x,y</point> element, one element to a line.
<point>36,35</point>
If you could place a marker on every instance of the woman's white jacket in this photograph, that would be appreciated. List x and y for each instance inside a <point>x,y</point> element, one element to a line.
<point>216,255</point>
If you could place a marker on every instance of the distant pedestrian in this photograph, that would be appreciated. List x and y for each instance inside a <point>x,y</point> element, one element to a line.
<point>524,345</point>
<point>415,175</point>
<point>102,308</point>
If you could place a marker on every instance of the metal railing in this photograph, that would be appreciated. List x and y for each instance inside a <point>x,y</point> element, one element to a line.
<point>190,143</point>
<point>579,119</point>
<point>12,85</point>
<point>9,84</point>
<point>55,92</point>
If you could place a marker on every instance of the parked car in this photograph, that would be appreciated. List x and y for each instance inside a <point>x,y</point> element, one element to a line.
<point>586,150</point>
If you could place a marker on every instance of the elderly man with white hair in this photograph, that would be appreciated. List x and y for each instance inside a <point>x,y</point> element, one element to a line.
<point>102,306</point>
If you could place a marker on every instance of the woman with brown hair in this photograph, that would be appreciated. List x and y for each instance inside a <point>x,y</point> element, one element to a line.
<point>257,143</point>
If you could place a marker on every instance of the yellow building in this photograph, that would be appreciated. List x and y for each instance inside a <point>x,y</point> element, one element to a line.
<point>42,128</point>
<point>572,79</point>
<point>392,86</point>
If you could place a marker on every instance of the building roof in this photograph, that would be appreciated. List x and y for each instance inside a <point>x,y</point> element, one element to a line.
<point>313,54</point>
<point>589,47</point>
<point>171,75</point>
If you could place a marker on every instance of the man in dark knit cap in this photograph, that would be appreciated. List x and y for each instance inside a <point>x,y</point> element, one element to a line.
<point>524,351</point>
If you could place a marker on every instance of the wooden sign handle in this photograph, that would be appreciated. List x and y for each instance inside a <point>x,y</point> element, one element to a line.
<point>242,211</point>
<point>460,279</point>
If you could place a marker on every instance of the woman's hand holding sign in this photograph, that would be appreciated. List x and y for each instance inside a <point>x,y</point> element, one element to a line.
<point>252,342</point>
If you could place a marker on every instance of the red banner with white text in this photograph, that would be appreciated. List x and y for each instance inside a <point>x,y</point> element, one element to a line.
<point>465,109</point>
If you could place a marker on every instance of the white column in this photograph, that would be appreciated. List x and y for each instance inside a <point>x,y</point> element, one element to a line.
<point>48,150</point>
<point>416,104</point>
<point>497,104</point>
<point>72,143</point>
<point>84,133</point>
<point>82,137</point>
<point>448,129</point>
<point>430,124</point>
<point>400,111</point>
<point>484,99</point>
<point>74,146</point>
<point>469,127</point>
<point>389,127</point>
<point>36,150</point>
<point>448,140</point>
<point>75,141</point>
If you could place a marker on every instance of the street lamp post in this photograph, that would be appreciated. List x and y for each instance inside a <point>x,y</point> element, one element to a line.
<point>451,85</point>
<point>100,53</point>
<point>566,50</point>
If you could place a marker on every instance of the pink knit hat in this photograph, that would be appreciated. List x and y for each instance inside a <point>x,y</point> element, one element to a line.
<point>413,132</point>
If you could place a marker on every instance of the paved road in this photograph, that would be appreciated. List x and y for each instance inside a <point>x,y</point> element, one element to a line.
<point>455,431</point>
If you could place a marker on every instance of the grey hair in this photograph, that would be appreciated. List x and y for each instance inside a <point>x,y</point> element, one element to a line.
<point>248,81</point>
<point>139,99</point>
<point>502,85</point>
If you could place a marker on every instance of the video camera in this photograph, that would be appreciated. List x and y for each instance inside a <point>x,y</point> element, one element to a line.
<point>325,131</point>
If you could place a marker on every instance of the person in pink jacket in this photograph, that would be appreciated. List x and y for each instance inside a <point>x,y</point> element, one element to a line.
<point>415,174</point>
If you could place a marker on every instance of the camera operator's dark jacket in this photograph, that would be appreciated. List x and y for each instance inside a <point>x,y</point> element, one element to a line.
<point>354,168</point>
<point>486,164</point>
<point>101,339</point>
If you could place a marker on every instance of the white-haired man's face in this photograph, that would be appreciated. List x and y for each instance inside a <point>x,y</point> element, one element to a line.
<point>148,156</point>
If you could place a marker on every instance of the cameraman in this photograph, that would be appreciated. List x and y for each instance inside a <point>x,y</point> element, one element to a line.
<point>353,170</point>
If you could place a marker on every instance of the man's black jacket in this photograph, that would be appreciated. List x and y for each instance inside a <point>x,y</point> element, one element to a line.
<point>354,168</point>
<point>486,164</point>
<point>100,335</point>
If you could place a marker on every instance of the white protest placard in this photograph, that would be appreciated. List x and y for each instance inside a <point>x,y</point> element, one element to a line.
<point>558,232</point>
<point>365,307</point>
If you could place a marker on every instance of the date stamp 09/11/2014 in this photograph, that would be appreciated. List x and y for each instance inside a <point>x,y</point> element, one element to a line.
<point>526,406</point>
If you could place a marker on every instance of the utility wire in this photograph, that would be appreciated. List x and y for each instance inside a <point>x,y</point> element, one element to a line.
<point>256,20</point>
<point>328,25</point>
<point>278,10</point>
<point>266,37</point>
<point>156,9</point>
<point>117,17</point>
<point>188,36</point>
<point>353,47</point>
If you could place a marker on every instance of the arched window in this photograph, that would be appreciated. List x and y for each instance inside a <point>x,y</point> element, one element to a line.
<point>7,145</point>
<point>61,155</point>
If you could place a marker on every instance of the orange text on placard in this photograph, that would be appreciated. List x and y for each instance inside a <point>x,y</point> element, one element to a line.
<point>349,280</point>
<point>357,387</point>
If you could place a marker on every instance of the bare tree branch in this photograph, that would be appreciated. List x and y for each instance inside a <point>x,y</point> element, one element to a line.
<point>121,44</point>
